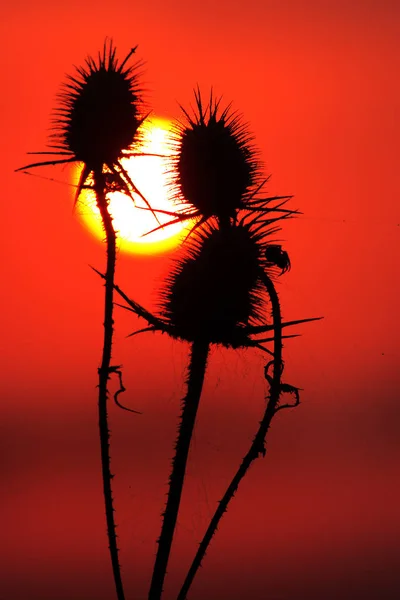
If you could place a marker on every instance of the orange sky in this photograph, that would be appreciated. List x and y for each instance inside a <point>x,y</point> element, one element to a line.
<point>318,518</point>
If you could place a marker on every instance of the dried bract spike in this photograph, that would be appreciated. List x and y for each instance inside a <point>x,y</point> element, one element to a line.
<point>217,165</point>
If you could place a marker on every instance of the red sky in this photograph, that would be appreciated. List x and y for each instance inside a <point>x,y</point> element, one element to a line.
<point>318,517</point>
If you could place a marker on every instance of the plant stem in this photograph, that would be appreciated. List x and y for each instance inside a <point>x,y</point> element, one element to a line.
<point>104,374</point>
<point>258,445</point>
<point>197,368</point>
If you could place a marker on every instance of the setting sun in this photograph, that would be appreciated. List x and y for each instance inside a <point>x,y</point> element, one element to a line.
<point>132,220</point>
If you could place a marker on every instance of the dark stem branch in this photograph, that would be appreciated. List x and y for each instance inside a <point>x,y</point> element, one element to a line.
<point>104,374</point>
<point>158,324</point>
<point>197,368</point>
<point>258,445</point>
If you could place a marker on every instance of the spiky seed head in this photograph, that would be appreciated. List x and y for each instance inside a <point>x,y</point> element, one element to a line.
<point>216,287</point>
<point>101,109</point>
<point>216,164</point>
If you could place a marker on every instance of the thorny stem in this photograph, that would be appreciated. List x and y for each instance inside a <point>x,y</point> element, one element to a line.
<point>104,374</point>
<point>258,445</point>
<point>197,368</point>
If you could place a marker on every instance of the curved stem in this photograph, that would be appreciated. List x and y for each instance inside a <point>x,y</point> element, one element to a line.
<point>104,374</point>
<point>197,368</point>
<point>258,445</point>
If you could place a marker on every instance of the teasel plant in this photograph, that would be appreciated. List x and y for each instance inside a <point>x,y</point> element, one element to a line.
<point>97,124</point>
<point>220,288</point>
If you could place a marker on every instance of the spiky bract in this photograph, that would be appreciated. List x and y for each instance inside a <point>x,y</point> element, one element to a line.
<point>215,290</point>
<point>216,166</point>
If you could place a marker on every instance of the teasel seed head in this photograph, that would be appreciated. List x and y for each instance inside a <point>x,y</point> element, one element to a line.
<point>216,166</point>
<point>215,289</point>
<point>98,118</point>
<point>100,109</point>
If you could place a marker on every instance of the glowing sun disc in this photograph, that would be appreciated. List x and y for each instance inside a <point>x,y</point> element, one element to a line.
<point>131,219</point>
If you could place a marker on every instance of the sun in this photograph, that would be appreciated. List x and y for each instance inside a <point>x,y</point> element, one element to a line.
<point>132,220</point>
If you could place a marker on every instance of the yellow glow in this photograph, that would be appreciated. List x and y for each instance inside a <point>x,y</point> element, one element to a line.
<point>131,220</point>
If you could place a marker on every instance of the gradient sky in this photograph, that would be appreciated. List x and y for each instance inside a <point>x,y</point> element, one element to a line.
<point>318,518</point>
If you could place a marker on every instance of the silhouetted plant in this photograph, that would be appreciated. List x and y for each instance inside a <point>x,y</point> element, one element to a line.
<point>97,124</point>
<point>215,290</point>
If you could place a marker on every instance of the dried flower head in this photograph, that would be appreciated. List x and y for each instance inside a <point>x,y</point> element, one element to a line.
<point>215,170</point>
<point>215,291</point>
<point>217,166</point>
<point>100,111</point>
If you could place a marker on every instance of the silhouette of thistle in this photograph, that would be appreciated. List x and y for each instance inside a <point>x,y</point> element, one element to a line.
<point>218,292</point>
<point>96,124</point>
<point>215,170</point>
